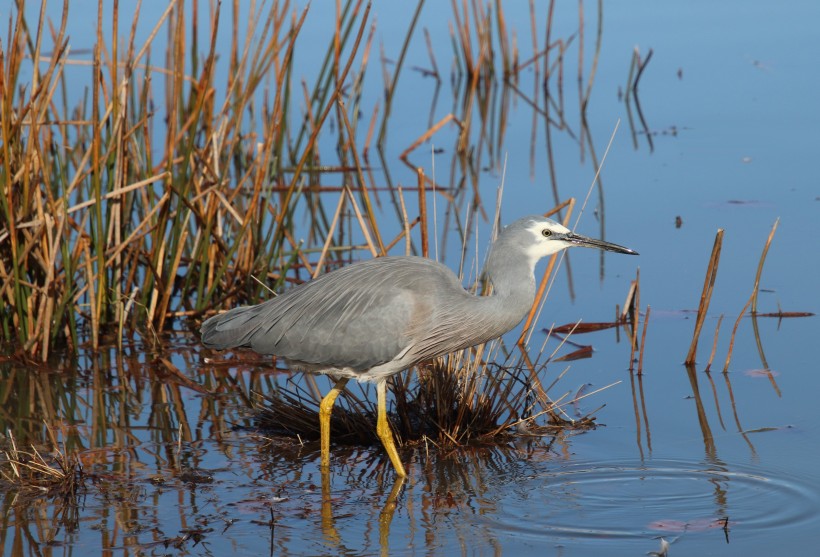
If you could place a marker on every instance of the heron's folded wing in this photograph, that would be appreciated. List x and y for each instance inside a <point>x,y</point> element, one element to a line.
<point>360,316</point>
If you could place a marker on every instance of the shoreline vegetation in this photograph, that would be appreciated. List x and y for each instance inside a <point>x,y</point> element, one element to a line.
<point>163,194</point>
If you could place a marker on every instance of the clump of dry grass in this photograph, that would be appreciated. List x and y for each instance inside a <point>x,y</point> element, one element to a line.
<point>453,403</point>
<point>55,474</point>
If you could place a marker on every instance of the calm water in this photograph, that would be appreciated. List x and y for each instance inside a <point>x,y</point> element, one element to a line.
<point>715,464</point>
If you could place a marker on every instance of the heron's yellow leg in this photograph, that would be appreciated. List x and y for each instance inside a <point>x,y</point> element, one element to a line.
<point>383,430</point>
<point>325,409</point>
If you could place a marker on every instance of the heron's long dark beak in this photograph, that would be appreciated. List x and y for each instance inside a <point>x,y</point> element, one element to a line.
<point>586,242</point>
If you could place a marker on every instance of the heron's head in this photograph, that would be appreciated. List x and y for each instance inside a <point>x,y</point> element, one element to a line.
<point>540,237</point>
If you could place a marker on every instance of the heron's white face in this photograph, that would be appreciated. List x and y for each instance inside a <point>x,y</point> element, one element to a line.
<point>547,239</point>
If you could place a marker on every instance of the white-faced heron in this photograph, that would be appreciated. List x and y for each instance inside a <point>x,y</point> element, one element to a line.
<point>372,319</point>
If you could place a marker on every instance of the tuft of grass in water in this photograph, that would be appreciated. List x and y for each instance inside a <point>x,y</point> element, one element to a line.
<point>58,473</point>
<point>452,404</point>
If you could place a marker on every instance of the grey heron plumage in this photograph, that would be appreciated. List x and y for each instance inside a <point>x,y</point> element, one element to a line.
<point>372,319</point>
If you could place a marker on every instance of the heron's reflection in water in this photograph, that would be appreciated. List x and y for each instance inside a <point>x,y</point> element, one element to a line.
<point>364,507</point>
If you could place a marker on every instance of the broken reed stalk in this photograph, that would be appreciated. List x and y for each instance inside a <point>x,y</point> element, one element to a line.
<point>435,73</point>
<point>58,473</point>
<point>425,247</point>
<point>760,265</point>
<point>752,299</point>
<point>643,339</point>
<point>636,316</point>
<point>705,296</point>
<point>734,331</point>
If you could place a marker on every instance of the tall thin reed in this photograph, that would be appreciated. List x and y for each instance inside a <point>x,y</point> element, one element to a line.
<point>705,296</point>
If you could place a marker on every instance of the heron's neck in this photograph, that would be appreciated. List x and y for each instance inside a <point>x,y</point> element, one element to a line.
<point>513,289</point>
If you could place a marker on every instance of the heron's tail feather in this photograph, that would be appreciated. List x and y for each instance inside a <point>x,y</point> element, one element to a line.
<point>231,329</point>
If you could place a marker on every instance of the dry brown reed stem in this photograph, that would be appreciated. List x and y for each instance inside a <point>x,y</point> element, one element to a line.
<point>503,39</point>
<point>637,68</point>
<point>467,119</point>
<point>622,315</point>
<point>593,69</point>
<point>403,235</point>
<point>534,35</point>
<point>752,299</point>
<point>760,265</point>
<point>329,239</point>
<point>714,344</point>
<point>463,32</point>
<point>391,83</point>
<point>705,296</point>
<point>643,338</point>
<point>426,137</point>
<point>734,331</point>
<point>360,218</point>
<point>425,248</point>
<point>370,130</point>
<point>540,298</point>
<point>636,315</point>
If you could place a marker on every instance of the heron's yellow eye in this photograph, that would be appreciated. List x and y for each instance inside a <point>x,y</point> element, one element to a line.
<point>546,233</point>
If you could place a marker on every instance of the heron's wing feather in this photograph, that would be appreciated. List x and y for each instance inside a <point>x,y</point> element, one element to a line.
<point>360,316</point>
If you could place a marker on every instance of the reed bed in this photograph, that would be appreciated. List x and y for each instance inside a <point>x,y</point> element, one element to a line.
<point>108,225</point>
<point>163,193</point>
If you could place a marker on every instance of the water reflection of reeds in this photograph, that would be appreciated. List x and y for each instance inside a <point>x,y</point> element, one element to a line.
<point>151,445</point>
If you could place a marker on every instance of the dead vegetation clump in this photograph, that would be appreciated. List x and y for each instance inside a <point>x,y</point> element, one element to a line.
<point>443,407</point>
<point>55,474</point>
